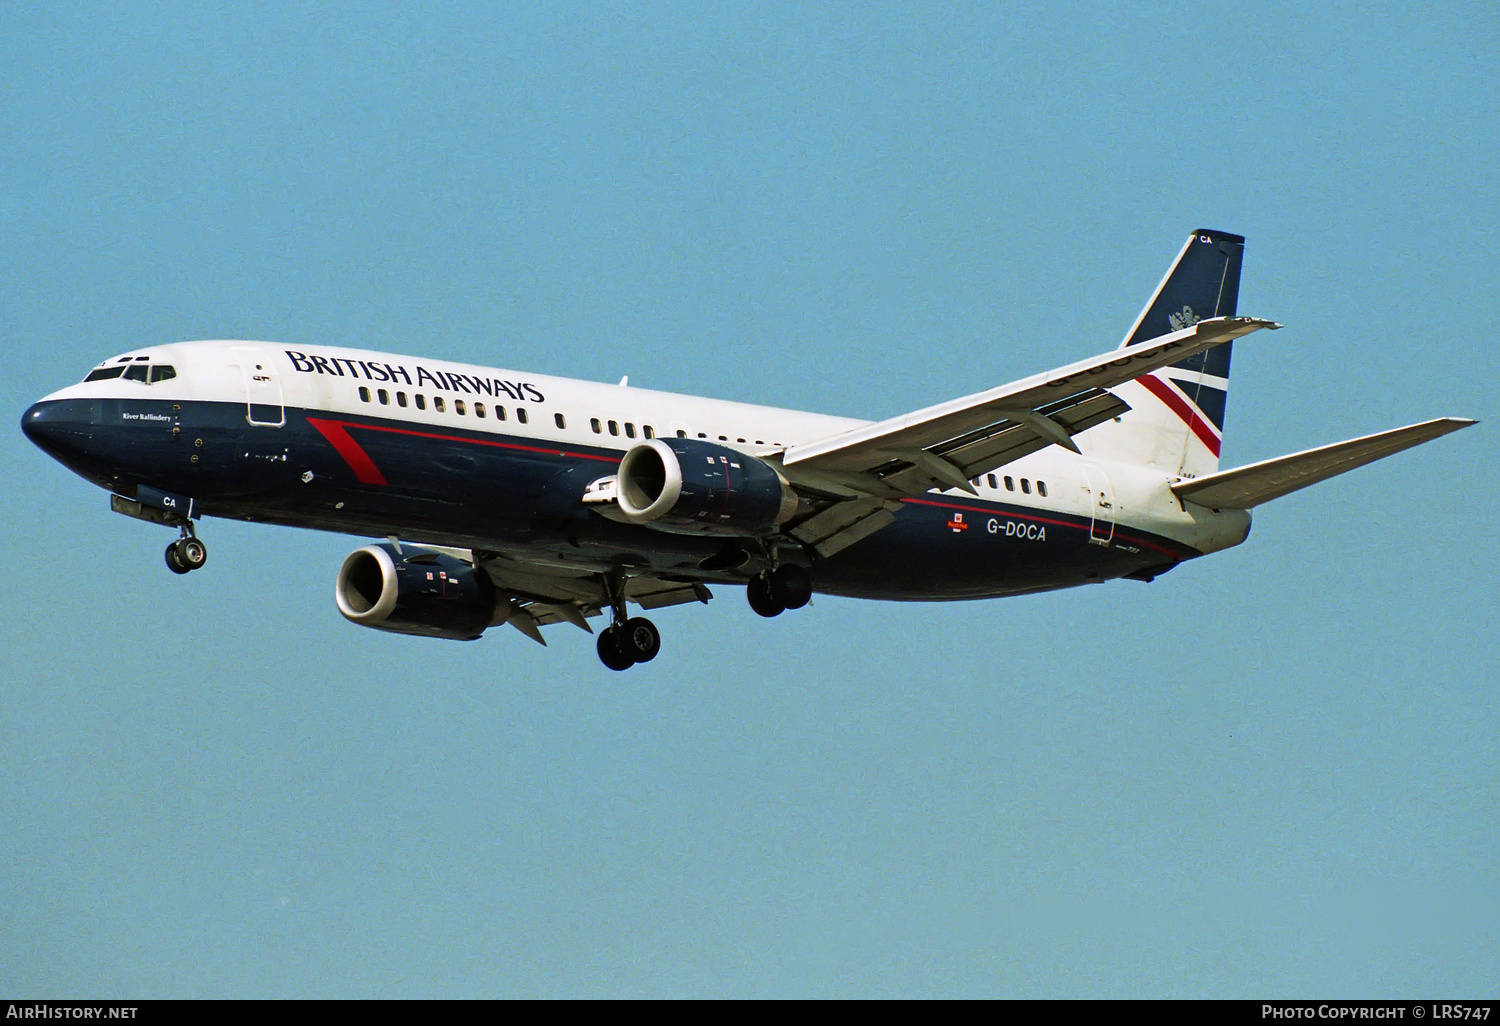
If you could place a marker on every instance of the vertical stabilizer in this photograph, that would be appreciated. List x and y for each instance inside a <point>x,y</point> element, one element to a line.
<point>1176,421</point>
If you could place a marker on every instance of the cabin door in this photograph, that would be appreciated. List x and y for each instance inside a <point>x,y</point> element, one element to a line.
<point>264,405</point>
<point>1101,505</point>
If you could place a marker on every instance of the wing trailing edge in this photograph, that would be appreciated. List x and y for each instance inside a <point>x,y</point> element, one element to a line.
<point>1249,486</point>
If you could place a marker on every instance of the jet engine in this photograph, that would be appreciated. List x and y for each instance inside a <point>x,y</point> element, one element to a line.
<point>416,590</point>
<point>686,486</point>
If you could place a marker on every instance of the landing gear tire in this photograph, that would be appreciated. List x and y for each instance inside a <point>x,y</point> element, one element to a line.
<point>758,592</point>
<point>791,586</point>
<point>641,639</point>
<point>186,554</point>
<point>613,649</point>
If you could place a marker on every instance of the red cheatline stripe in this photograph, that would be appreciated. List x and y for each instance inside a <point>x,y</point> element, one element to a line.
<point>477,441</point>
<point>365,470</point>
<point>337,433</point>
<point>1180,406</point>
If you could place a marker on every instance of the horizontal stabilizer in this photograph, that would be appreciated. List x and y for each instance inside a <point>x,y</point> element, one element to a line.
<point>1249,486</point>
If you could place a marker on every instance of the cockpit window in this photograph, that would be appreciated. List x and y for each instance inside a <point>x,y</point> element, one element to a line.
<point>149,373</point>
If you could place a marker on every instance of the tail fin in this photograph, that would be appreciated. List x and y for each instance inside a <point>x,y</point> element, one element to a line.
<point>1176,421</point>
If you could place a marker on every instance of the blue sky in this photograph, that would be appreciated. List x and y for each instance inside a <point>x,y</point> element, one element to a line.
<point>1268,773</point>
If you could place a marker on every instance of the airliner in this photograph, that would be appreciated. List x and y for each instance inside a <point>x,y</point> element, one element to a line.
<point>503,497</point>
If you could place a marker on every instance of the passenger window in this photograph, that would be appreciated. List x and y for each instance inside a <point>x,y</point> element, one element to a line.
<point>993,482</point>
<point>560,421</point>
<point>1041,489</point>
<point>598,428</point>
<point>421,401</point>
<point>479,410</point>
<point>401,399</point>
<point>364,394</point>
<point>629,430</point>
<point>1025,486</point>
<point>614,427</point>
<point>458,407</point>
<point>520,415</point>
<point>384,396</point>
<point>1010,483</point>
<point>646,432</point>
<point>499,412</point>
<point>438,404</point>
<point>681,433</point>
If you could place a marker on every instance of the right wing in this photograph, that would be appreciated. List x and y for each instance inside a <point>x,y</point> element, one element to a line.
<point>539,594</point>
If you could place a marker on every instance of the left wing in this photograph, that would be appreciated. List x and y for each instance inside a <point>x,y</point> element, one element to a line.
<point>944,446</point>
<point>856,479</point>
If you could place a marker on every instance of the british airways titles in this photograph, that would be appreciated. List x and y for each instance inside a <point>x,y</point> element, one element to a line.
<point>448,381</point>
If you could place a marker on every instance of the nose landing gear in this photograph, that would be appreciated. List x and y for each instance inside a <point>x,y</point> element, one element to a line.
<point>155,506</point>
<point>186,553</point>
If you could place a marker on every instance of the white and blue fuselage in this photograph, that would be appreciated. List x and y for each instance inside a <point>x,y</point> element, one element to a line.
<point>499,461</point>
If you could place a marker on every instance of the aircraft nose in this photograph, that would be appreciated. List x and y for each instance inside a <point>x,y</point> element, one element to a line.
<point>61,427</point>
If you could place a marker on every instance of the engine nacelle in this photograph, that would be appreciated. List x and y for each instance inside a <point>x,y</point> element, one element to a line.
<point>685,486</point>
<point>415,590</point>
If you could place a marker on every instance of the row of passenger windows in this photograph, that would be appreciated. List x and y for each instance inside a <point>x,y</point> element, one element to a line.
<point>440,405</point>
<point>1010,484</point>
<point>647,431</point>
<point>614,428</point>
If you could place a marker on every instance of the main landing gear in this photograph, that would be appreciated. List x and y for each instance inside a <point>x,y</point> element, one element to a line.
<point>786,587</point>
<point>186,553</point>
<point>626,642</point>
<point>622,645</point>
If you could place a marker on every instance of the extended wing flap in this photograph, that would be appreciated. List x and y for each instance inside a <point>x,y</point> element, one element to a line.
<point>866,448</point>
<point>984,450</point>
<point>541,594</point>
<point>652,593</point>
<point>1249,486</point>
<point>843,524</point>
